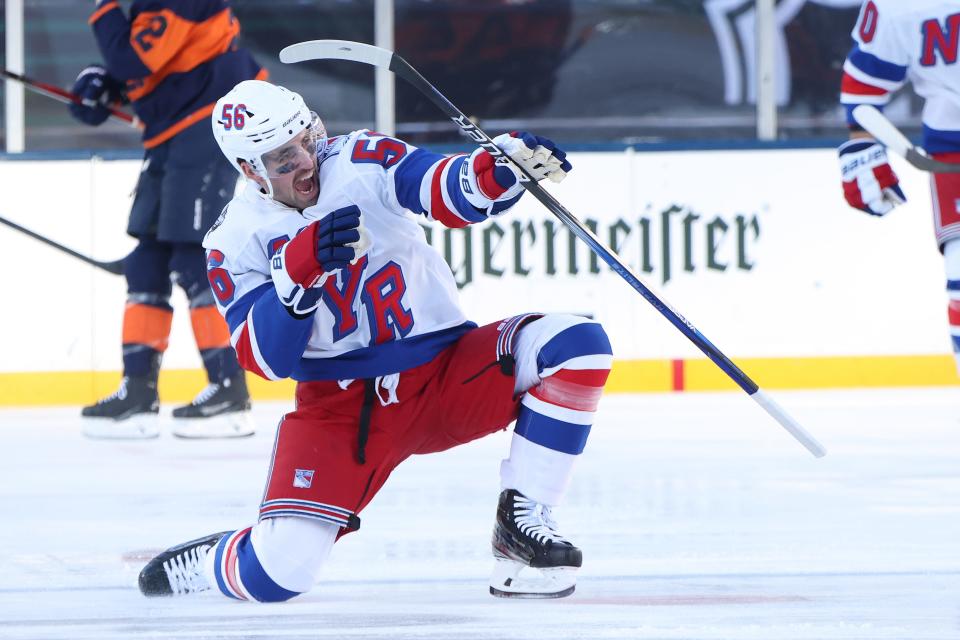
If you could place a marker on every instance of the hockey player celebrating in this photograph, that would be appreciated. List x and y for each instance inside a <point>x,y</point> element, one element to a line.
<point>896,41</point>
<point>324,275</point>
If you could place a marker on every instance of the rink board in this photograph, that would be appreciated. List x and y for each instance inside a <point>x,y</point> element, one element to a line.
<point>757,248</point>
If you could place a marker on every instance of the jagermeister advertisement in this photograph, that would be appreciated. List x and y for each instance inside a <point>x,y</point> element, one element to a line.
<point>756,248</point>
<point>657,244</point>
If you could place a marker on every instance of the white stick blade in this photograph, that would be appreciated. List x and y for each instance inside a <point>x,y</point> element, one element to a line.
<point>870,118</point>
<point>788,423</point>
<point>336,50</point>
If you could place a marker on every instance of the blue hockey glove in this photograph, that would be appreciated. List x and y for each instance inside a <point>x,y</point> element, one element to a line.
<point>301,267</point>
<point>97,89</point>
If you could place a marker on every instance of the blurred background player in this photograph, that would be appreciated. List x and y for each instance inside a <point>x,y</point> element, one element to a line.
<point>898,41</point>
<point>172,60</point>
<point>325,276</point>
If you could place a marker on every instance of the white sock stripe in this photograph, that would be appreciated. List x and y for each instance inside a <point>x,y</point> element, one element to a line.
<point>573,416</point>
<point>236,568</point>
<point>229,550</point>
<point>593,361</point>
<point>244,593</point>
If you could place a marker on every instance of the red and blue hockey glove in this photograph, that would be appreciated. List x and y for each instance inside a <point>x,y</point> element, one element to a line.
<point>539,156</point>
<point>97,89</point>
<point>869,184</point>
<point>302,265</point>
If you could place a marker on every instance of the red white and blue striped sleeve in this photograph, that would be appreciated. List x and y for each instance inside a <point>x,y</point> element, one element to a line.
<point>454,190</point>
<point>876,67</point>
<point>268,340</point>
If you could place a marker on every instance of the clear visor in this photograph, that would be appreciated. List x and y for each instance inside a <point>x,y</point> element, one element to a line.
<point>299,154</point>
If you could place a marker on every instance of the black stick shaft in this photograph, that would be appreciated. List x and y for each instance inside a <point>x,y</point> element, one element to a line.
<point>115,267</point>
<point>403,69</point>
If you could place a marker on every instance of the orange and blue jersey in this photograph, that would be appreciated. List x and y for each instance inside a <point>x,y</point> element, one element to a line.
<point>177,57</point>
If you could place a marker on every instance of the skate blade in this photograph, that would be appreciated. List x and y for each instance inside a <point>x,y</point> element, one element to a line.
<point>137,427</point>
<point>238,424</point>
<point>507,581</point>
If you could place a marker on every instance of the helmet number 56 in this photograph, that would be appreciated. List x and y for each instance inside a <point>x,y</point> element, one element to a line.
<point>233,116</point>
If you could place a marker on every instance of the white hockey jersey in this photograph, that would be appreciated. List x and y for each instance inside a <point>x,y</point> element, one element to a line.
<point>916,40</point>
<point>396,308</point>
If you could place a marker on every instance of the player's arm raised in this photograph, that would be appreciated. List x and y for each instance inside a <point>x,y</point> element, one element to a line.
<point>460,189</point>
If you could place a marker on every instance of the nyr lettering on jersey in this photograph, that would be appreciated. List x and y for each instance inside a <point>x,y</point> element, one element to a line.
<point>219,278</point>
<point>276,244</point>
<point>934,39</point>
<point>868,22</point>
<point>385,152</point>
<point>339,300</point>
<point>383,299</point>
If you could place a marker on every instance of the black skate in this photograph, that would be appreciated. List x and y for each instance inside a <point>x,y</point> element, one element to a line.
<point>221,410</point>
<point>131,412</point>
<point>526,535</point>
<point>179,570</point>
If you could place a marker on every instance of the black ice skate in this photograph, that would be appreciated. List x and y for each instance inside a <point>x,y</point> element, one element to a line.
<point>131,412</point>
<point>526,535</point>
<point>179,570</point>
<point>221,410</point>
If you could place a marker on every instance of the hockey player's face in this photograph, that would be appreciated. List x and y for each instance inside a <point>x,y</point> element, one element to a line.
<point>293,171</point>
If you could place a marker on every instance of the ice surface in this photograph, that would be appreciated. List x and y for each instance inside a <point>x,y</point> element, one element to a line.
<point>698,517</point>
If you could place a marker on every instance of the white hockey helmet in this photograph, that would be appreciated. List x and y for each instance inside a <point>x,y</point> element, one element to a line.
<point>256,117</point>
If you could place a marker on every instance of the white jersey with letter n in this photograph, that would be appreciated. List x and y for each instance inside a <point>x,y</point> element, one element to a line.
<point>916,40</point>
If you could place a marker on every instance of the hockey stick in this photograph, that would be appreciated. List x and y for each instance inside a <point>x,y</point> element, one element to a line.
<point>877,125</point>
<point>368,54</point>
<point>115,266</point>
<point>66,97</point>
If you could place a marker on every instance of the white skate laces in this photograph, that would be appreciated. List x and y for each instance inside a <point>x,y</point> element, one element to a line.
<point>535,520</point>
<point>206,393</point>
<point>119,394</point>
<point>185,571</point>
<point>531,558</point>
